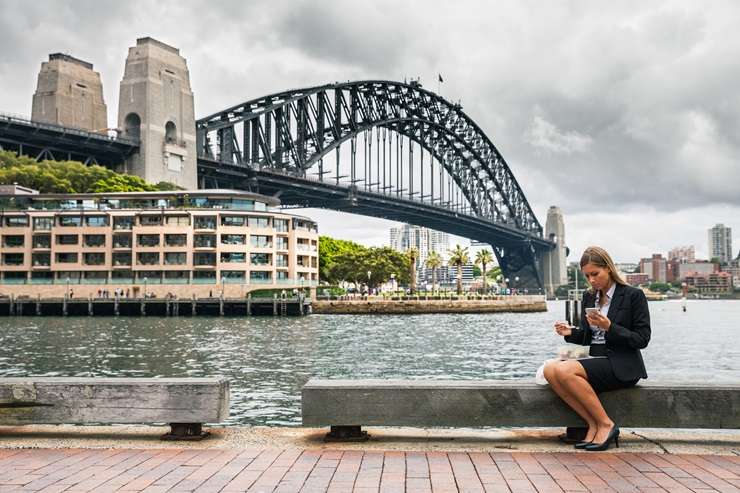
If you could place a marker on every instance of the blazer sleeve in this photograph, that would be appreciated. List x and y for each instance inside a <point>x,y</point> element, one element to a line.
<point>582,334</point>
<point>638,335</point>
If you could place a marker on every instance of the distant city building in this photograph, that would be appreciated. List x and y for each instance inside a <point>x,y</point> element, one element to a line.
<point>637,278</point>
<point>447,276</point>
<point>655,267</point>
<point>702,267</point>
<point>554,262</point>
<point>715,283</point>
<point>720,243</point>
<point>682,254</point>
<point>627,267</point>
<point>423,239</point>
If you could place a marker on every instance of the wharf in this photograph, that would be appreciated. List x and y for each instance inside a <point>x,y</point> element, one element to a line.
<point>162,307</point>
<point>419,305</point>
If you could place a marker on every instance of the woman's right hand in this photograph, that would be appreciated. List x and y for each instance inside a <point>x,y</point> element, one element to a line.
<point>563,329</point>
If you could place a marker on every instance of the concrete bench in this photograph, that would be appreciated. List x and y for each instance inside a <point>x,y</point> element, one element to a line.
<point>183,403</point>
<point>347,405</point>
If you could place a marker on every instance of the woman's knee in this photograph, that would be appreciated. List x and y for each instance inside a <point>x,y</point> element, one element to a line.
<point>549,371</point>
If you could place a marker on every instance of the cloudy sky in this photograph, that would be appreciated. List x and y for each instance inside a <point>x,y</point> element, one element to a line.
<point>625,114</point>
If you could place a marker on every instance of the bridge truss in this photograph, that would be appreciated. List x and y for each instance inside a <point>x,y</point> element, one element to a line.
<point>379,148</point>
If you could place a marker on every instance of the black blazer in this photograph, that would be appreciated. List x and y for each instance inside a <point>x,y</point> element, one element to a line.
<point>629,331</point>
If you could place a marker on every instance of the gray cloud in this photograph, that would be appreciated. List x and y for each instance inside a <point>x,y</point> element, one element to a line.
<point>597,106</point>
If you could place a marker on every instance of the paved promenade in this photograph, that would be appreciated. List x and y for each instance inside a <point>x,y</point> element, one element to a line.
<point>316,470</point>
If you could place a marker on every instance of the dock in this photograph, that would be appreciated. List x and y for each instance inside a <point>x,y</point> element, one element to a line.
<point>157,307</point>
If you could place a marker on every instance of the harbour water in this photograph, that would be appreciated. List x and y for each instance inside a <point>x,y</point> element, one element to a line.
<point>268,359</point>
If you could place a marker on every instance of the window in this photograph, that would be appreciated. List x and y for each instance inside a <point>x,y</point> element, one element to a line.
<point>261,241</point>
<point>122,241</point>
<point>94,240</point>
<point>13,241</point>
<point>68,240</point>
<point>281,243</point>
<point>66,258</point>
<point>282,275</point>
<point>281,260</point>
<point>204,277</point>
<point>177,275</point>
<point>232,220</point>
<point>121,275</point>
<point>178,220</point>
<point>234,257</point>
<point>96,221</point>
<point>16,221</point>
<point>70,221</point>
<point>147,258</point>
<point>176,240</point>
<point>148,241</point>
<point>205,222</point>
<point>205,241</point>
<point>123,222</point>
<point>259,222</point>
<point>41,241</point>
<point>121,258</point>
<point>150,220</point>
<point>233,239</point>
<point>260,276</point>
<point>204,259</point>
<point>43,223</point>
<point>99,276</point>
<point>13,259</point>
<point>93,258</point>
<point>41,259</point>
<point>175,258</point>
<point>14,277</point>
<point>260,259</point>
<point>281,225</point>
<point>233,275</point>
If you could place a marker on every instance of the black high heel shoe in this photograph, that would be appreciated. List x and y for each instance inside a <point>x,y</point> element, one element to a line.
<point>582,445</point>
<point>613,435</point>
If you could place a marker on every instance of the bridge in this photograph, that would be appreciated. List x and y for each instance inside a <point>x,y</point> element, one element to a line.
<point>377,148</point>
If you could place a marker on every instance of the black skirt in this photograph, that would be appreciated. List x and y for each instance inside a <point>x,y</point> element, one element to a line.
<point>600,373</point>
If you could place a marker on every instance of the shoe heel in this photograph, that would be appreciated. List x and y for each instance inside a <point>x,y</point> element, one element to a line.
<point>616,441</point>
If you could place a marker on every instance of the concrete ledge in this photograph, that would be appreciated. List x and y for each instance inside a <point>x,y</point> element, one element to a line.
<point>55,400</point>
<point>508,304</point>
<point>515,403</point>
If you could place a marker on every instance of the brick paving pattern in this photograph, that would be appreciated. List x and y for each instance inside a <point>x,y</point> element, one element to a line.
<point>346,471</point>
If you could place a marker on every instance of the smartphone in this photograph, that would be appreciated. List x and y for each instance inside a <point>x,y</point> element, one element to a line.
<point>592,310</point>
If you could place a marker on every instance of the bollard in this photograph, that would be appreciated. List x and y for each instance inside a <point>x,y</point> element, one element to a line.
<point>115,306</point>
<point>38,305</point>
<point>249,305</point>
<point>193,311</point>
<point>89,306</point>
<point>64,307</point>
<point>274,305</point>
<point>11,307</point>
<point>221,307</point>
<point>143,307</point>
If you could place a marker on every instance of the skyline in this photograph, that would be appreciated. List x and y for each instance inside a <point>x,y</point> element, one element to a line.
<point>640,96</point>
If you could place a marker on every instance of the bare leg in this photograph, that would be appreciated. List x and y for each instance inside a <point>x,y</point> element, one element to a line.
<point>573,378</point>
<point>552,376</point>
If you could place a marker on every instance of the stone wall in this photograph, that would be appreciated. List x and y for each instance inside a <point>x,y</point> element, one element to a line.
<point>504,304</point>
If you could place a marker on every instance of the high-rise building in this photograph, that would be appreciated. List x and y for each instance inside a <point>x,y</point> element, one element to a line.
<point>425,240</point>
<point>720,243</point>
<point>555,271</point>
<point>69,93</point>
<point>682,254</point>
<point>655,267</point>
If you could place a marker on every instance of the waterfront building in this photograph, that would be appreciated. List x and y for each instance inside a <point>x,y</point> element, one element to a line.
<point>447,277</point>
<point>720,243</point>
<point>184,243</point>
<point>701,267</point>
<point>636,278</point>
<point>682,254</point>
<point>714,283</point>
<point>655,267</point>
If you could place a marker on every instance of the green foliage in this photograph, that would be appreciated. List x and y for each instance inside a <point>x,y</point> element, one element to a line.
<point>476,271</point>
<point>660,287</point>
<point>347,261</point>
<point>69,176</point>
<point>459,257</point>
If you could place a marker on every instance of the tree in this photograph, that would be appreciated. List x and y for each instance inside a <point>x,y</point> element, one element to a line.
<point>434,262</point>
<point>483,258</point>
<point>458,258</point>
<point>413,255</point>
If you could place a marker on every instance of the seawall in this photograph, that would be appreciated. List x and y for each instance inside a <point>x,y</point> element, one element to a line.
<point>522,304</point>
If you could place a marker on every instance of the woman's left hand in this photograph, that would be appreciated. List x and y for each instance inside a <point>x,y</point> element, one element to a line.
<point>599,320</point>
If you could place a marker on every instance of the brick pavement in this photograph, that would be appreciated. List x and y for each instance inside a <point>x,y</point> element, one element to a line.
<point>340,471</point>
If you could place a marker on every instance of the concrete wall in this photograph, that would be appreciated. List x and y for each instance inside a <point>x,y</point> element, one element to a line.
<point>505,304</point>
<point>69,93</point>
<point>156,106</point>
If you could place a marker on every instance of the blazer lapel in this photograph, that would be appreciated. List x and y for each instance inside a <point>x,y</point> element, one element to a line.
<point>616,302</point>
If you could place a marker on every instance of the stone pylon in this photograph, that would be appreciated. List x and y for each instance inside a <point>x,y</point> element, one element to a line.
<point>69,93</point>
<point>155,105</point>
<point>554,262</point>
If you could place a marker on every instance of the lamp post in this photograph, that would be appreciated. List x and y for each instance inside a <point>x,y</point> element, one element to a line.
<point>393,282</point>
<point>369,273</point>
<point>145,280</point>
<point>506,285</point>
<point>516,282</point>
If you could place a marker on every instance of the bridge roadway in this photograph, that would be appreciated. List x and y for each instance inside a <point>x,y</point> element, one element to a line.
<point>306,192</point>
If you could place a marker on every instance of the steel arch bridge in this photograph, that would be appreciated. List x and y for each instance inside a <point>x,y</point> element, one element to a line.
<point>290,144</point>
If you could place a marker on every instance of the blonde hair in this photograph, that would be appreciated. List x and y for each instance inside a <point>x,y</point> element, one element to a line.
<point>600,258</point>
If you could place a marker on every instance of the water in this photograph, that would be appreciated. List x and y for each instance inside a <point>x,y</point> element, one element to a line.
<point>268,359</point>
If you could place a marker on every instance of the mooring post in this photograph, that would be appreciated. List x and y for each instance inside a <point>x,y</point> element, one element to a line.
<point>89,306</point>
<point>143,306</point>
<point>115,306</point>
<point>249,304</point>
<point>38,305</point>
<point>11,308</point>
<point>221,306</point>
<point>64,306</point>
<point>274,305</point>
<point>192,306</point>
<point>167,308</point>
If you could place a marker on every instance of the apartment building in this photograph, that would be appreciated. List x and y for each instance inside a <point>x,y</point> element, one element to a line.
<point>182,243</point>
